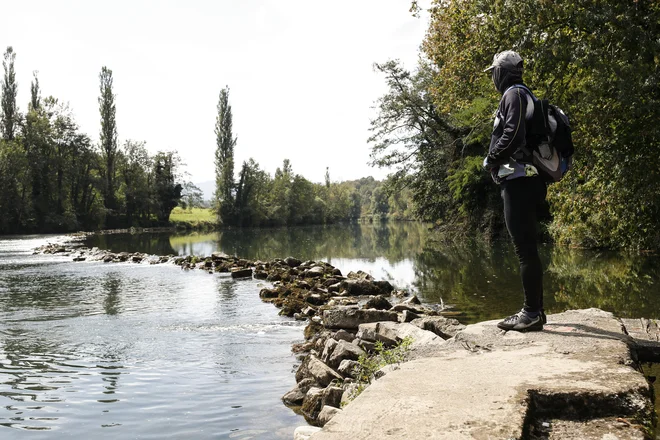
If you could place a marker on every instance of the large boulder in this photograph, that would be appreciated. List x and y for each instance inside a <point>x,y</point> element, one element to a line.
<point>347,368</point>
<point>312,367</point>
<point>328,348</point>
<point>241,273</point>
<point>315,272</point>
<point>344,350</point>
<point>351,317</point>
<point>292,262</point>
<point>444,327</point>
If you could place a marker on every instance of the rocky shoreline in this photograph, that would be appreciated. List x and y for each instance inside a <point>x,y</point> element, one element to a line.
<point>349,319</point>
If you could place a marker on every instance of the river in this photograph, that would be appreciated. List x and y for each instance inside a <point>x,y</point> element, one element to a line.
<point>94,350</point>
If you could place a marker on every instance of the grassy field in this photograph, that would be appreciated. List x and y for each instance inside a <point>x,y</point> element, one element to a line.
<point>197,218</point>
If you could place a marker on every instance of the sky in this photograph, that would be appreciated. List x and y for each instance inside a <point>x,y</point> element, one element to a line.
<point>300,73</point>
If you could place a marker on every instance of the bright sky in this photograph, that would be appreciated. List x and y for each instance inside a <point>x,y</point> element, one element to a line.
<point>300,73</point>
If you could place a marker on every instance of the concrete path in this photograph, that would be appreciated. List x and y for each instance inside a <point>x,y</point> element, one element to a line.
<point>574,380</point>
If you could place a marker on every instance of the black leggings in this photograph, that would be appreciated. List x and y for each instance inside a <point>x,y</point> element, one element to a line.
<point>524,203</point>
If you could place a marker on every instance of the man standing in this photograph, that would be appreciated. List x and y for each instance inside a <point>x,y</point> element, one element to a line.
<point>523,191</point>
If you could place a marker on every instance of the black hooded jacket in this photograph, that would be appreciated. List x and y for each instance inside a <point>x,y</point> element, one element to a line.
<point>510,128</point>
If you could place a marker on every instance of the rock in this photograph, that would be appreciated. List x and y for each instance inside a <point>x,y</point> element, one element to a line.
<point>79,259</point>
<point>444,327</point>
<point>347,368</point>
<point>359,275</point>
<point>403,307</point>
<point>327,413</point>
<point>137,258</point>
<point>305,432</point>
<point>343,335</point>
<point>308,311</point>
<point>385,286</point>
<point>367,332</point>
<point>312,367</point>
<point>403,330</point>
<point>359,287</point>
<point>344,350</point>
<point>260,274</point>
<point>408,316</point>
<point>268,293</point>
<point>332,396</point>
<point>367,346</point>
<point>315,272</point>
<point>315,299</point>
<point>351,318</point>
<point>334,287</point>
<point>412,300</point>
<point>241,273</point>
<point>305,384</point>
<point>328,348</point>
<point>294,397</point>
<point>378,302</point>
<point>274,276</point>
<point>312,404</point>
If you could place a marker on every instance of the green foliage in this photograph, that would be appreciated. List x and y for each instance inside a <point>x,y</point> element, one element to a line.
<point>9,92</point>
<point>224,160</point>
<point>108,136</point>
<point>368,365</point>
<point>596,60</point>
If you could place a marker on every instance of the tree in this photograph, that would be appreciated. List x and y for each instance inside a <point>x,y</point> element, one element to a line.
<point>224,159</point>
<point>596,60</point>
<point>35,92</point>
<point>9,92</point>
<point>191,196</point>
<point>108,134</point>
<point>167,192</point>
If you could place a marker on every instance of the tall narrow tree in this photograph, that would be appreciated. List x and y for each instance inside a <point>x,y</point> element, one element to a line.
<point>35,92</point>
<point>9,91</point>
<point>108,134</point>
<point>224,158</point>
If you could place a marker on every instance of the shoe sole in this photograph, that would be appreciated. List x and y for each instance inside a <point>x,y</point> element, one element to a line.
<point>536,327</point>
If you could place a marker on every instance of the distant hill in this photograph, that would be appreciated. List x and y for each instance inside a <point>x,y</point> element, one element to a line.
<point>208,188</point>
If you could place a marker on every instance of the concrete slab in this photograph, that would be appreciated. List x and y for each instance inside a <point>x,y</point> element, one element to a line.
<point>488,384</point>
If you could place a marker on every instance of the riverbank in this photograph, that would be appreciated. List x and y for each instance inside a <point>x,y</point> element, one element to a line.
<point>580,378</point>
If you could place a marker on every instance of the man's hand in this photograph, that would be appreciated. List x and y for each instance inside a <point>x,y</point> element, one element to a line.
<point>488,164</point>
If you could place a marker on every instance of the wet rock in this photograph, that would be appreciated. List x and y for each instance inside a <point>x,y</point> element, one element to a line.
<point>79,258</point>
<point>315,299</point>
<point>378,302</point>
<point>327,413</point>
<point>241,273</point>
<point>312,404</point>
<point>312,367</point>
<point>137,258</point>
<point>274,276</point>
<point>305,384</point>
<point>294,397</point>
<point>403,307</point>
<point>266,293</point>
<point>260,275</point>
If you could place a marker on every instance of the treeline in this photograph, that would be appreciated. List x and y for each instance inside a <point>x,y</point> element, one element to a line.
<point>258,199</point>
<point>597,60</point>
<point>54,178</point>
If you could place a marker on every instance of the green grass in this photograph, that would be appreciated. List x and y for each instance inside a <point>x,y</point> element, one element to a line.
<point>197,218</point>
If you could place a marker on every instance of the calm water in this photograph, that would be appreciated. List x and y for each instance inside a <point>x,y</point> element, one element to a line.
<point>93,350</point>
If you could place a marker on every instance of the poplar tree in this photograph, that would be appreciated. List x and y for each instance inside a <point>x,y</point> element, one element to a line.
<point>108,134</point>
<point>9,91</point>
<point>224,158</point>
<point>35,92</point>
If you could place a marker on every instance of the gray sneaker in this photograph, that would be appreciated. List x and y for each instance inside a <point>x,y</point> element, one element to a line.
<point>521,322</point>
